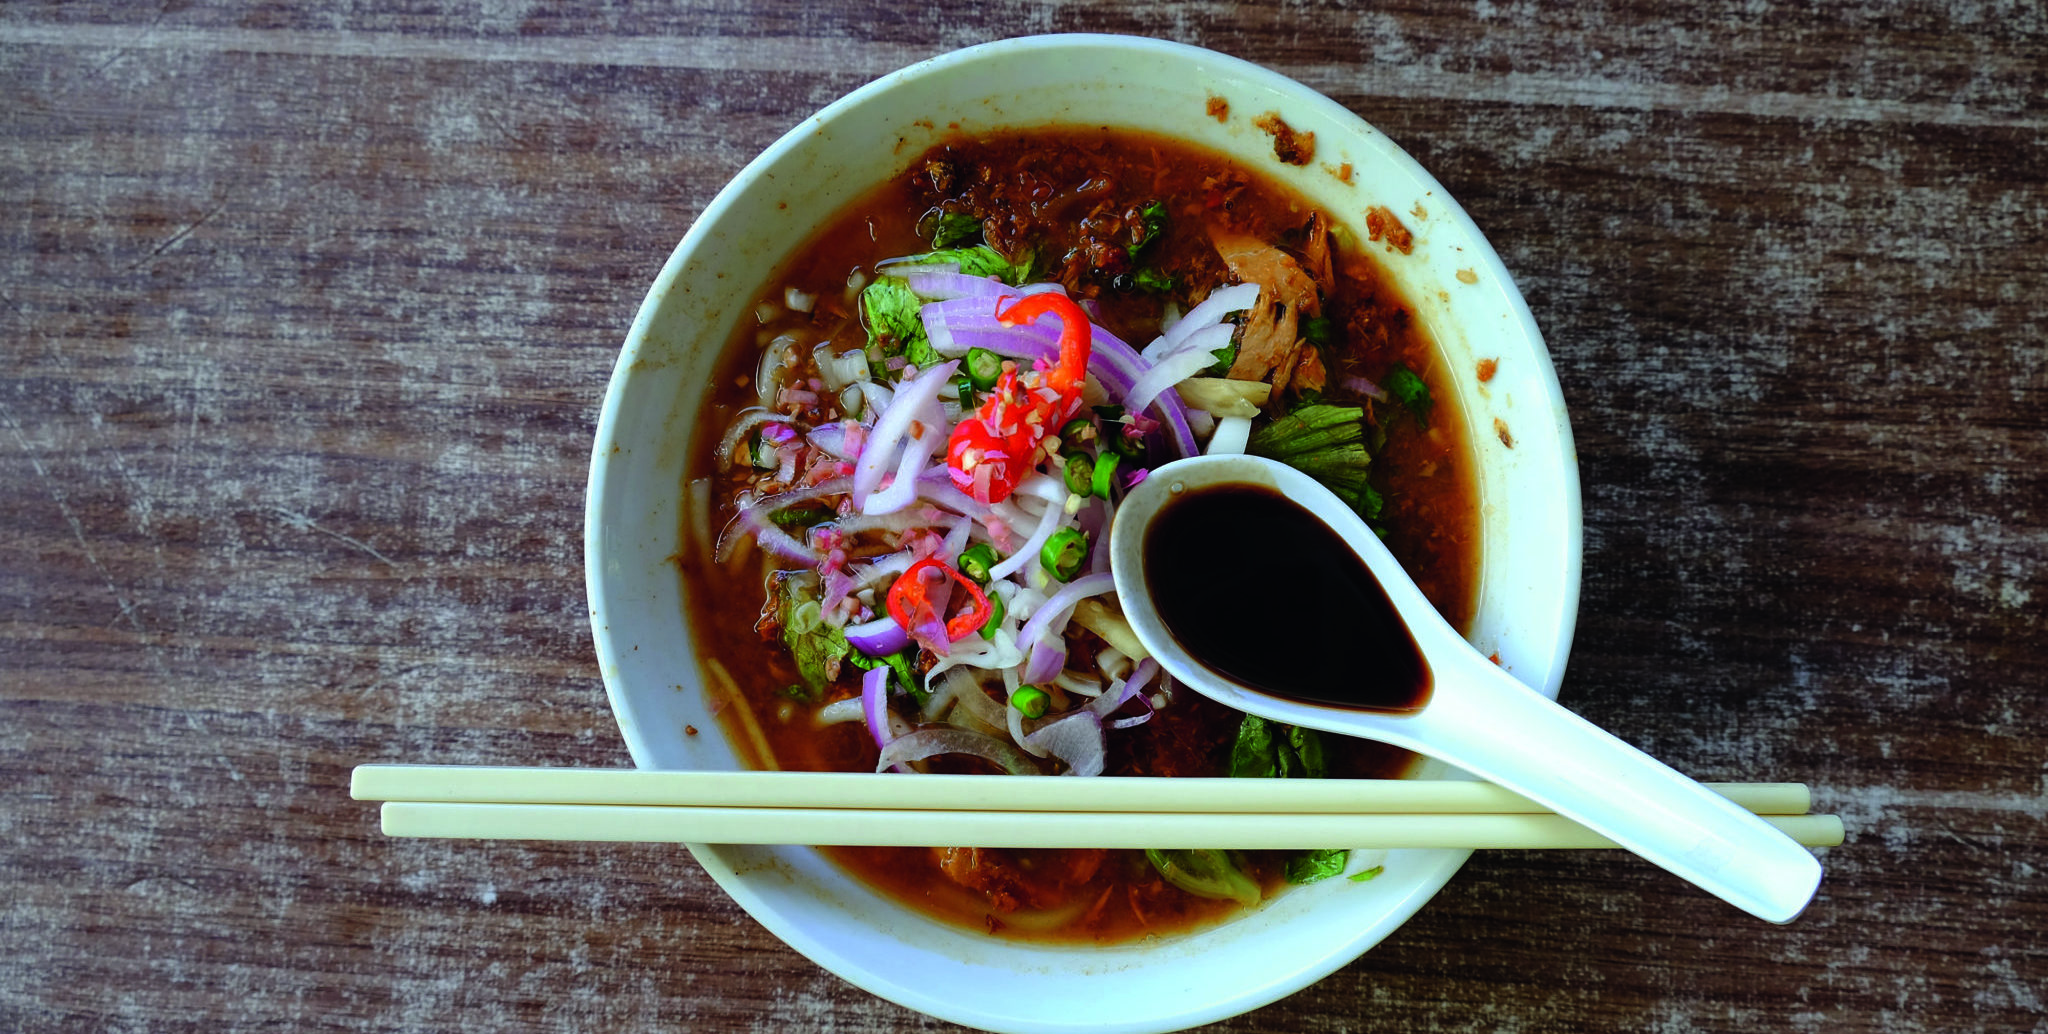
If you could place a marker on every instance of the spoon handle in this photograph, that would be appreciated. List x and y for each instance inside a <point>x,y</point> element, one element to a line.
<point>1482,720</point>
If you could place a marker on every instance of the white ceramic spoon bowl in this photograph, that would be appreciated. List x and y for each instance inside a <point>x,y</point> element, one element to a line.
<point>1478,717</point>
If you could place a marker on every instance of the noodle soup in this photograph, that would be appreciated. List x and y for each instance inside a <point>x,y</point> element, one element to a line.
<point>910,475</point>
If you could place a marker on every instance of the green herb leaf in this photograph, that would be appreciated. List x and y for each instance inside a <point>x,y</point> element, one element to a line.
<point>1326,443</point>
<point>1151,226</point>
<point>1307,747</point>
<point>1319,864</point>
<point>1225,358</point>
<point>1318,331</point>
<point>1153,280</point>
<point>1408,388</point>
<point>982,260</point>
<point>816,647</point>
<point>1253,755</point>
<point>892,321</point>
<point>902,662</point>
<point>1363,875</point>
<point>1205,872</point>
<point>955,227</point>
<point>801,516</point>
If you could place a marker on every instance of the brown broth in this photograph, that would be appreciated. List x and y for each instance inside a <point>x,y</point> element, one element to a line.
<point>1070,190</point>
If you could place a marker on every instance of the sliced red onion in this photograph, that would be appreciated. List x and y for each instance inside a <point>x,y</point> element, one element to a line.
<point>956,539</point>
<point>1364,387</point>
<point>832,439</point>
<point>1221,302</point>
<point>1124,690</point>
<point>878,397</point>
<point>997,654</point>
<point>874,704</point>
<point>753,519</point>
<point>924,743</point>
<point>1205,341</point>
<point>1136,719</point>
<point>914,403</point>
<point>905,265</point>
<point>1048,523</point>
<point>1041,635</point>
<point>1061,606</point>
<point>1098,556</point>
<point>1047,658</point>
<point>1170,371</point>
<point>838,585</point>
<point>878,638</point>
<point>936,486</point>
<point>940,286</point>
<point>1076,740</point>
<point>928,435</point>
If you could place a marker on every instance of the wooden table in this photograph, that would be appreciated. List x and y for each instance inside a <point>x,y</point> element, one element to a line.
<point>308,309</point>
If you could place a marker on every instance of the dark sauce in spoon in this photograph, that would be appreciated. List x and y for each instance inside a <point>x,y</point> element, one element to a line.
<point>1256,588</point>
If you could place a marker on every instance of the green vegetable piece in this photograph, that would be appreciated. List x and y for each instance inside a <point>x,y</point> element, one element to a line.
<point>1204,872</point>
<point>1326,443</point>
<point>963,388</point>
<point>994,622</point>
<point>975,561</point>
<point>1266,749</point>
<point>894,328</point>
<point>1253,755</point>
<point>1151,226</point>
<point>982,260</point>
<point>920,351</point>
<point>1065,553</point>
<point>1080,473</point>
<point>1307,746</point>
<point>816,647</point>
<point>955,227</point>
<point>1030,701</point>
<point>1319,330</point>
<point>1105,474</point>
<point>800,517</point>
<point>1151,279</point>
<point>1129,446</point>
<point>1363,875</point>
<point>1077,433</point>
<point>983,368</point>
<point>1225,358</point>
<point>1408,388</point>
<point>1109,414</point>
<point>902,662</point>
<point>1317,865</point>
<point>761,454</point>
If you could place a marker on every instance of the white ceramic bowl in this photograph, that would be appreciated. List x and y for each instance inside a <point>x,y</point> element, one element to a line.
<point>1529,496</point>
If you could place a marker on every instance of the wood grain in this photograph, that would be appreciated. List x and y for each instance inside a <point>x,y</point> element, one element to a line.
<point>306,310</point>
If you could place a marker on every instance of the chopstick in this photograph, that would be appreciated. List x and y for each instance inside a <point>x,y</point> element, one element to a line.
<point>858,809</point>
<point>855,828</point>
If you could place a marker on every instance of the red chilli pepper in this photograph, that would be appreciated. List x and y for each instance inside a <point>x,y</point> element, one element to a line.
<point>908,601</point>
<point>991,451</point>
<point>1075,339</point>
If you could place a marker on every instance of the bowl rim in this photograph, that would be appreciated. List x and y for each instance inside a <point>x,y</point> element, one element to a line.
<point>1445,863</point>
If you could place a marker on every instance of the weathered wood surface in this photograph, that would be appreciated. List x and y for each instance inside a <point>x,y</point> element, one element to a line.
<point>307,311</point>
